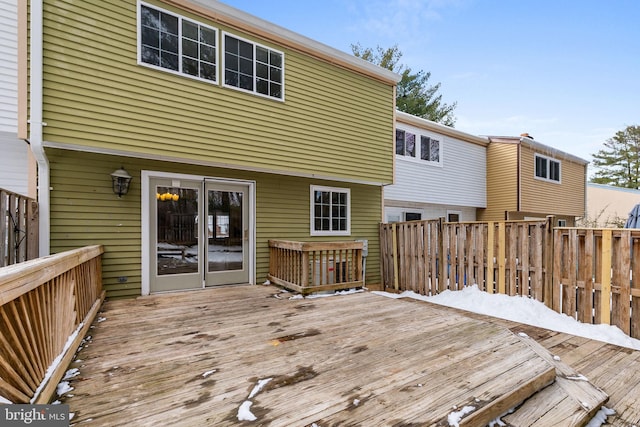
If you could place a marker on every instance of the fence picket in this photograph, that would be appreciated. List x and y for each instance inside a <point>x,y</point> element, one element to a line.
<point>635,287</point>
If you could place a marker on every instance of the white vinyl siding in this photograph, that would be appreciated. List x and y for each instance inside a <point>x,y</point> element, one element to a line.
<point>8,67</point>
<point>13,162</point>
<point>459,179</point>
<point>14,165</point>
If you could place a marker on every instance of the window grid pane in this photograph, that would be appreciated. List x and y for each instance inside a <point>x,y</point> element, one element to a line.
<point>400,142</point>
<point>541,167</point>
<point>554,170</point>
<point>191,51</point>
<point>330,211</point>
<point>424,147</point>
<point>410,144</point>
<point>434,151</point>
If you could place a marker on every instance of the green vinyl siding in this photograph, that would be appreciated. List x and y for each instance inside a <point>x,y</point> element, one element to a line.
<point>333,122</point>
<point>84,211</point>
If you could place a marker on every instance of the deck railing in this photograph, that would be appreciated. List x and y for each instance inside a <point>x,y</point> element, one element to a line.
<point>315,266</point>
<point>18,228</point>
<point>46,308</point>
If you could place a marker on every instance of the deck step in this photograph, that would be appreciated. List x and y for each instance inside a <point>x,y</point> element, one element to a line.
<point>570,401</point>
<point>510,398</point>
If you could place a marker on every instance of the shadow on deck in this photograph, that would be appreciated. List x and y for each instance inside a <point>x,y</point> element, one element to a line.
<point>211,357</point>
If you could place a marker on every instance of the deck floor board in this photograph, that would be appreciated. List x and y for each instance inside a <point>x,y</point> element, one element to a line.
<point>192,358</point>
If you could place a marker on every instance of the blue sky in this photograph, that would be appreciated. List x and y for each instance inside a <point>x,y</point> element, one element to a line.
<point>565,71</point>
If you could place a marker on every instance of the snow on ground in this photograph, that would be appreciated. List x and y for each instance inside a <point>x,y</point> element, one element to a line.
<point>522,310</point>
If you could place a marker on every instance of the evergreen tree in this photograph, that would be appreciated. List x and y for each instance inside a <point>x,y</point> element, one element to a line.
<point>618,163</point>
<point>414,95</point>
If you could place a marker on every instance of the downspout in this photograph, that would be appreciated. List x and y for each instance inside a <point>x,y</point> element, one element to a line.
<point>36,124</point>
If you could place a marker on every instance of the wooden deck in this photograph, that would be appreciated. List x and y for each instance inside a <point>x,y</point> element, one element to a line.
<point>194,358</point>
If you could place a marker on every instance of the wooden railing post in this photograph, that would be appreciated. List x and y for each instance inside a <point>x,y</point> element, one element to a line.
<point>502,254</point>
<point>605,279</point>
<point>442,257</point>
<point>33,230</point>
<point>4,232</point>
<point>548,262</point>
<point>394,251</point>
<point>491,230</point>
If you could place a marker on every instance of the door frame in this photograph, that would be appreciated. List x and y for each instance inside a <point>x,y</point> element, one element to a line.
<point>145,212</point>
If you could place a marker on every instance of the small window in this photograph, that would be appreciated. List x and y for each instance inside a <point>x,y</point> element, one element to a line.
<point>253,68</point>
<point>562,223</point>
<point>405,143</point>
<point>330,211</point>
<point>176,44</point>
<point>429,149</point>
<point>412,216</point>
<point>547,168</point>
<point>453,216</point>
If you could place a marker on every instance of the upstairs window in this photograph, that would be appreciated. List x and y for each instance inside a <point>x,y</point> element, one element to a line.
<point>429,149</point>
<point>253,68</point>
<point>330,211</point>
<point>547,168</point>
<point>176,44</point>
<point>407,145</point>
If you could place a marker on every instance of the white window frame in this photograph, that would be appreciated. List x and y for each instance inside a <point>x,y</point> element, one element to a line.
<point>312,230</point>
<point>223,51</point>
<point>178,72</point>
<point>562,223</point>
<point>404,214</point>
<point>418,147</point>
<point>548,161</point>
<point>459,213</point>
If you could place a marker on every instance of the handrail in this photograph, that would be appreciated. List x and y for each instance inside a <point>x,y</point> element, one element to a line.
<point>316,266</point>
<point>46,308</point>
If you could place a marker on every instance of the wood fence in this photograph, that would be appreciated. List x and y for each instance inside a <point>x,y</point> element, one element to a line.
<point>46,308</point>
<point>584,273</point>
<point>18,228</point>
<point>315,266</point>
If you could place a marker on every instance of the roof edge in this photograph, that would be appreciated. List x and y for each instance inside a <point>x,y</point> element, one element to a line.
<point>543,148</point>
<point>233,17</point>
<point>440,128</point>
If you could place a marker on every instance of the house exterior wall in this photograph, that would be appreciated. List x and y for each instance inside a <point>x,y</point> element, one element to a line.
<point>514,192</point>
<point>9,66</point>
<point>86,212</point>
<point>105,111</point>
<point>333,123</point>
<point>609,206</point>
<point>15,162</point>
<point>502,181</point>
<point>457,182</point>
<point>566,198</point>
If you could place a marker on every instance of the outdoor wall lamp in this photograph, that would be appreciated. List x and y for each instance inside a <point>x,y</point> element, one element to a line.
<point>121,180</point>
